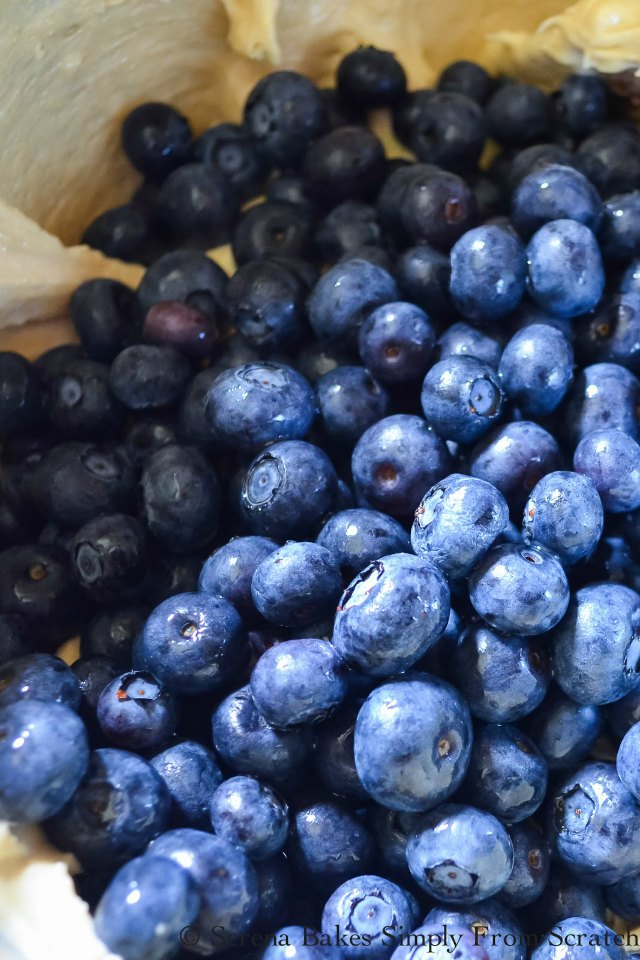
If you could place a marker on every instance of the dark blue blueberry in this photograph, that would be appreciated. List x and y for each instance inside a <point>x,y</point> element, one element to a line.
<point>456,522</point>
<point>623,899</point>
<point>554,192</point>
<point>106,317</point>
<point>249,745</point>
<point>531,865</point>
<point>135,712</point>
<point>564,514</point>
<point>603,395</point>
<point>283,113</point>
<point>187,276</point>
<point>374,910</point>
<point>631,278</point>
<point>232,152</point>
<point>611,459</point>
<point>191,774</point>
<point>578,938</point>
<point>368,78</point>
<point>192,427</point>
<point>109,557</point>
<point>628,760</point>
<point>144,909</point>
<point>521,164</point>
<point>396,342</point>
<point>594,822</point>
<point>413,743</point>
<point>423,276</point>
<point>437,207</point>
<point>21,400</point>
<point>275,892</point>
<point>223,876</point>
<point>493,927</point>
<point>346,228</point>
<point>521,591</point>
<point>92,675</point>
<point>249,406</point>
<point>391,614</point>
<point>357,537</point>
<point>333,759</point>
<point>43,757</point>
<point>146,376</point>
<point>395,461</point>
<point>350,401</point>
<point>460,854</point>
<point>567,895</point>
<point>229,570</point>
<point>188,329</point>
<point>392,829</point>
<point>80,403</point>
<point>299,943</point>
<point>467,77</point>
<point>564,732</point>
<point>288,489</point>
<point>610,157</point>
<point>345,164</point>
<point>120,805</point>
<point>111,633</point>
<point>619,234</point>
<point>507,774</point>
<point>249,814</point>
<point>581,104</point>
<point>156,138</point>
<point>502,678</point>
<point>266,305</point>
<point>518,114</point>
<point>39,676</point>
<point>612,331</point>
<point>292,188</point>
<point>329,844</point>
<point>461,398</point>
<point>344,295</point>
<point>146,433</point>
<point>461,339</point>
<point>181,497</point>
<point>566,275</point>
<point>488,273</point>
<point>447,128</point>
<point>123,232</point>
<point>15,637</point>
<point>536,369</point>
<point>514,457</point>
<point>297,585</point>
<point>272,229</point>
<point>192,643</point>
<point>529,313</point>
<point>297,682</point>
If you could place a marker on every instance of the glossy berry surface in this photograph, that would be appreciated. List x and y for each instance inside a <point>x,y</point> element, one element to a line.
<point>135,712</point>
<point>251,815</point>
<point>371,906</point>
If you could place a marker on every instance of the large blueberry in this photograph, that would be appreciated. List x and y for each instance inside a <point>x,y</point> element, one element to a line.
<point>374,909</point>
<point>603,395</point>
<point>229,570</point>
<point>297,585</point>
<point>135,711</point>
<point>250,815</point>
<point>554,192</point>
<point>507,774</point>
<point>357,537</point>
<point>344,295</point>
<point>536,369</point>
<point>328,844</point>
<point>488,273</point>
<point>191,774</point>
<point>531,864</point>
<point>566,275</point>
<point>579,938</point>
<point>564,731</point>
<point>564,514</point>
<point>39,676</point>
<point>461,398</point>
<point>611,459</point>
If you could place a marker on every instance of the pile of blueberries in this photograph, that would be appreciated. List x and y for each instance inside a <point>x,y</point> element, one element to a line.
<point>351,538</point>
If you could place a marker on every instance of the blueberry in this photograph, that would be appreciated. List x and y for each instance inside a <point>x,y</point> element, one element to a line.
<point>610,158</point>
<point>554,192</point>
<point>396,342</point>
<point>536,369</point>
<point>122,232</point>
<point>581,103</point>
<point>467,77</point>
<point>181,497</point>
<point>518,114</point>
<point>275,892</point>
<point>519,590</point>
<point>147,376</point>
<point>39,676</point>
<point>567,896</point>
<point>603,395</point>
<point>461,398</point>
<point>135,712</point>
<point>333,759</point>
<point>357,537</point>
<point>437,208</point>
<point>611,459</point>
<point>186,276</point>
<point>395,461</point>
<point>375,909</point>
<point>564,731</point>
<point>350,401</point>
<point>145,908</point>
<point>566,275</point>
<point>229,570</point>
<point>15,638</point>
<point>623,899</point>
<point>507,774</point>
<point>105,314</point>
<point>391,614</point>
<point>612,331</point>
<point>531,865</point>
<point>413,743</point>
<point>120,805</point>
<point>297,585</point>
<point>288,489</point>
<point>448,128</point>
<point>21,399</point>
<point>249,745</point>
<point>619,234</point>
<point>531,159</point>
<point>232,152</point>
<point>112,631</point>
<point>631,278</point>
<point>493,927</point>
<point>192,427</point>
<point>266,305</point>
<point>345,164</point>
<point>502,678</point>
<point>272,229</point>
<point>329,844</point>
<point>283,113</point>
<point>299,943</point>
<point>156,138</point>
<point>624,713</point>
<point>92,676</point>
<point>175,324</point>
<point>596,941</point>
<point>460,854</point>
<point>346,228</point>
<point>191,774</point>
<point>252,405</point>
<point>43,757</point>
<point>297,682</point>
<point>223,876</point>
<point>368,78</point>
<point>250,815</point>
<point>564,514</point>
<point>488,273</point>
<point>423,275</point>
<point>461,339</point>
<point>593,824</point>
<point>344,295</point>
<point>36,583</point>
<point>192,643</point>
<point>108,557</point>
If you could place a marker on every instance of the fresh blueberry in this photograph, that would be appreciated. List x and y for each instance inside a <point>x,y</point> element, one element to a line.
<point>329,844</point>
<point>175,324</point>
<point>191,774</point>
<point>156,138</point>
<point>611,459</point>
<point>80,403</point>
<point>391,614</point>
<point>423,276</point>
<point>578,938</point>
<point>488,273</point>
<point>288,489</point>
<point>92,676</point>
<point>250,815</point>
<point>624,713</point>
<point>122,232</point>
<point>192,427</point>
<point>146,433</point>
<point>448,128</point>
<point>298,681</point>
<point>283,113</point>
<point>350,401</point>
<point>395,461</point>
<point>567,895</point>
<point>333,759</point>
<point>105,314</point>
<point>564,514</point>
<point>461,398</point>
<point>536,369</point>
<point>232,152</point>
<point>518,114</point>
<point>564,732</point>
<point>266,305</point>
<point>368,78</point>
<point>186,276</point>
<point>461,339</point>
<point>146,906</point>
<point>108,557</point>
<point>522,163</point>
<point>272,229</point>
<point>120,805</point>
<point>357,537</point>
<point>135,712</point>
<point>627,761</point>
<point>43,757</point>
<point>345,164</point>
<point>531,865</point>
<point>554,192</point>
<point>619,234</point>
<point>493,927</point>
<point>566,275</point>
<point>249,745</point>
<point>297,585</point>
<point>371,907</point>
<point>603,395</point>
<point>39,676</point>
<point>229,570</point>
<point>581,104</point>
<point>396,342</point>
<point>346,228</point>
<point>507,773</point>
<point>612,332</point>
<point>413,743</point>
<point>21,399</point>
<point>437,207</point>
<point>146,376</point>
<point>610,157</point>
<point>112,631</point>
<point>344,295</point>
<point>467,77</point>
